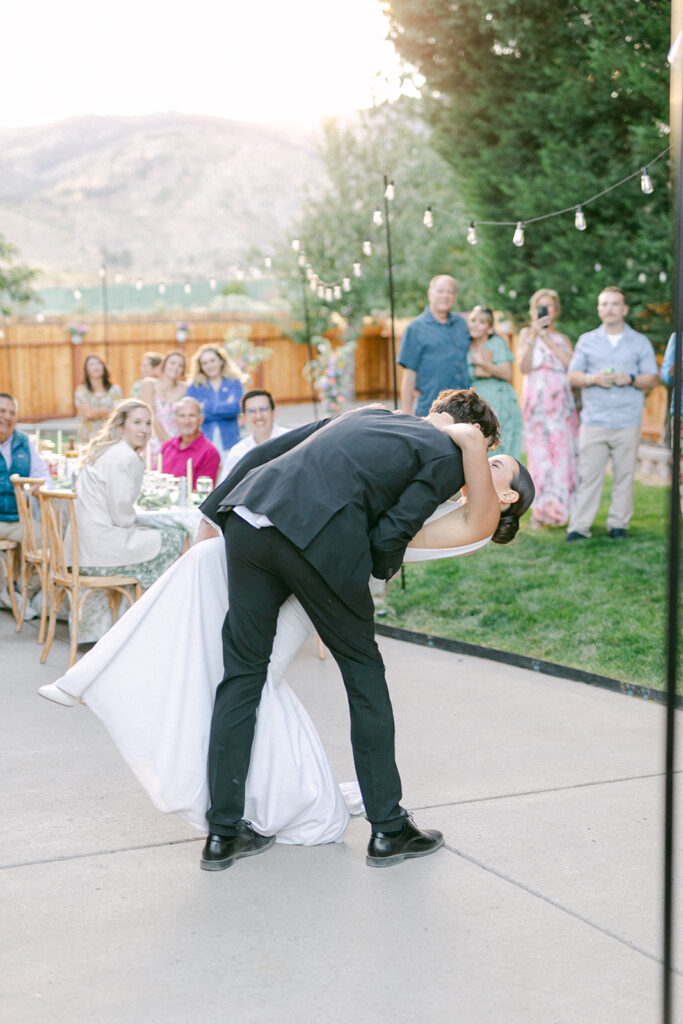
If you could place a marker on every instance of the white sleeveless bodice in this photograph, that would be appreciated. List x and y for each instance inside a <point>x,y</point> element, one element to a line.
<point>429,554</point>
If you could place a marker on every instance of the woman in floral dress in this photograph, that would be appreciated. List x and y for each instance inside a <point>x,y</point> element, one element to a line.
<point>489,361</point>
<point>95,399</point>
<point>550,419</point>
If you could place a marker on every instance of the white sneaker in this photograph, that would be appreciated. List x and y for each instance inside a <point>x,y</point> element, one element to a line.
<point>29,610</point>
<point>52,692</point>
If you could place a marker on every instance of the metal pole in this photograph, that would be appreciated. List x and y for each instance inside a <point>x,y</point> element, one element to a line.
<point>307,323</point>
<point>105,311</point>
<point>676,114</point>
<point>391,312</point>
<point>391,291</point>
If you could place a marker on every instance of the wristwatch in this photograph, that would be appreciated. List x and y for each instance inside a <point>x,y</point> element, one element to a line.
<point>633,378</point>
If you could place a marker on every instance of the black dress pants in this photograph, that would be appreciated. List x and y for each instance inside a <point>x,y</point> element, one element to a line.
<point>264,568</point>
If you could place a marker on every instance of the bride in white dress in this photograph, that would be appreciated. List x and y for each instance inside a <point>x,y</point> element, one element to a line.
<point>152,678</point>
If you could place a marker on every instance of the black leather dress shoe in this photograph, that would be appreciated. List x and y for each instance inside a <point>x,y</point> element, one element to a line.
<point>385,850</point>
<point>220,852</point>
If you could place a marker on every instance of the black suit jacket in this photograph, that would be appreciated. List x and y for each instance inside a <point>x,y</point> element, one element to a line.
<point>350,492</point>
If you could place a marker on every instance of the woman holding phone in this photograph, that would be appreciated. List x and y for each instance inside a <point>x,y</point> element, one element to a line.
<point>550,420</point>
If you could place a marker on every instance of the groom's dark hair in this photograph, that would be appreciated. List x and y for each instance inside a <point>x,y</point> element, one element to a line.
<point>466,406</point>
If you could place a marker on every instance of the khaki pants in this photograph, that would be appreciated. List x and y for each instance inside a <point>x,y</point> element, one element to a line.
<point>596,446</point>
<point>11,531</point>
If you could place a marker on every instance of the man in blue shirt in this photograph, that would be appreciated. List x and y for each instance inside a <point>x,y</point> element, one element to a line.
<point>614,366</point>
<point>434,350</point>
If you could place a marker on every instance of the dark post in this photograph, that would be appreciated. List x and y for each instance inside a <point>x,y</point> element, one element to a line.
<point>391,290</point>
<point>105,310</point>
<point>676,116</point>
<point>307,325</point>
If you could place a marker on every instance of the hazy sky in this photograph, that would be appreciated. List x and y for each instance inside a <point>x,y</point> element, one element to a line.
<point>252,60</point>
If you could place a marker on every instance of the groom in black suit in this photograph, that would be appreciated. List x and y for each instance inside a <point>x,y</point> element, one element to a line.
<point>314,513</point>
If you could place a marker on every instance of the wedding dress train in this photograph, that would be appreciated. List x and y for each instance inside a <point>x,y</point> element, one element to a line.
<point>152,679</point>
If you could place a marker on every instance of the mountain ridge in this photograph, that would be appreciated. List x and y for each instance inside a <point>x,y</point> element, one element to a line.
<point>161,196</point>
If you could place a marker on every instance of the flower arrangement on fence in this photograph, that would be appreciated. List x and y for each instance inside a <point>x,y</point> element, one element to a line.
<point>181,331</point>
<point>326,372</point>
<point>243,352</point>
<point>77,332</point>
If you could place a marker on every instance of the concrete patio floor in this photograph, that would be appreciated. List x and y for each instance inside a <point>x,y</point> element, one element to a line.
<point>544,908</point>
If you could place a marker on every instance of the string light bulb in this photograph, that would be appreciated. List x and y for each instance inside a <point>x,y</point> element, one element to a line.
<point>162,289</point>
<point>472,234</point>
<point>367,247</point>
<point>428,219</point>
<point>314,284</point>
<point>337,291</point>
<point>188,288</point>
<point>518,237</point>
<point>296,244</point>
<point>357,269</point>
<point>302,259</point>
<point>646,182</point>
<point>579,219</point>
<point>389,191</point>
<point>77,293</point>
<point>268,262</point>
<point>212,284</point>
<point>377,217</point>
<point>328,295</point>
<point>321,291</point>
<point>346,284</point>
<point>138,285</point>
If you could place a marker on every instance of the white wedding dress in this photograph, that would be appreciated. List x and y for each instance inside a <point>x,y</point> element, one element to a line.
<point>152,678</point>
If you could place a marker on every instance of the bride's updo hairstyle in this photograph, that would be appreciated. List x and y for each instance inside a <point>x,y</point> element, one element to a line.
<point>509,519</point>
<point>466,406</point>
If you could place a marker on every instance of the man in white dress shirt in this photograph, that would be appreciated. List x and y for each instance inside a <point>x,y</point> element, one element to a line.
<point>258,409</point>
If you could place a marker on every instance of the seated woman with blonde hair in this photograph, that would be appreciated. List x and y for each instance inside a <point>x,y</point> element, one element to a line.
<point>110,541</point>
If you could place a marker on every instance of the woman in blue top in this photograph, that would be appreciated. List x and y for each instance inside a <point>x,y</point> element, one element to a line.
<point>216,382</point>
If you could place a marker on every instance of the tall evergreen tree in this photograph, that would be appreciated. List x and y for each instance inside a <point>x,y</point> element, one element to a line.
<point>537,107</point>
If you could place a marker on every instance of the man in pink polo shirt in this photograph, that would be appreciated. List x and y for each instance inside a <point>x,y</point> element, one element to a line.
<point>190,444</point>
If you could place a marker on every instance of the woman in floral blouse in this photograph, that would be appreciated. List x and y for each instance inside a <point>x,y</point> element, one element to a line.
<point>95,399</point>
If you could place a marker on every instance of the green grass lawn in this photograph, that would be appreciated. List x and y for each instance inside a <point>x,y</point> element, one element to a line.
<point>597,605</point>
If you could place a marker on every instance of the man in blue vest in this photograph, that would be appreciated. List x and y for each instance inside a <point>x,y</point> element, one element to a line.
<point>17,455</point>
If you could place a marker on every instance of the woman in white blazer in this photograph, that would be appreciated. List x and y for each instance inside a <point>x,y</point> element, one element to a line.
<point>110,543</point>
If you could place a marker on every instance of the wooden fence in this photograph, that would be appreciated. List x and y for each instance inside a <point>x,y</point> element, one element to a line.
<point>40,365</point>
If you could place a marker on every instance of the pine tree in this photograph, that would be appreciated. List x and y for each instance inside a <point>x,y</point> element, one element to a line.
<point>537,107</point>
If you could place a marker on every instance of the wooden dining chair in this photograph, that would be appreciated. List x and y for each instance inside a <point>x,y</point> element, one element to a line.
<point>58,512</point>
<point>8,550</point>
<point>33,553</point>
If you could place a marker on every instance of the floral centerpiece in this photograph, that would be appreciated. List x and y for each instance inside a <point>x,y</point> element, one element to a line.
<point>181,331</point>
<point>326,372</point>
<point>77,332</point>
<point>243,352</point>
